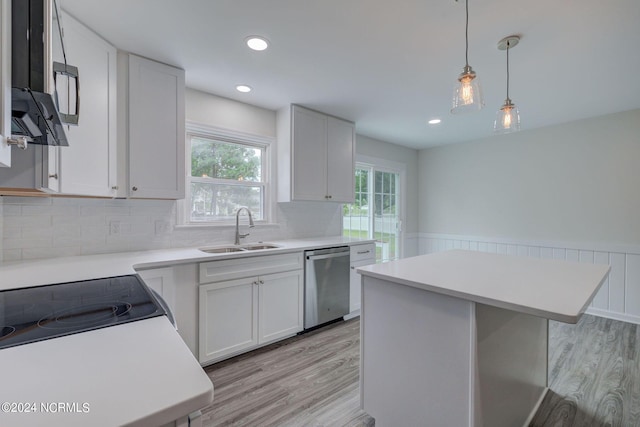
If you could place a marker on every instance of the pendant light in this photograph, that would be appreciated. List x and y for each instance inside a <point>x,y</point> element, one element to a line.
<point>508,116</point>
<point>467,95</point>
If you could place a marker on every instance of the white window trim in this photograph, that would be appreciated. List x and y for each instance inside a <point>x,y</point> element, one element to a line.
<point>222,134</point>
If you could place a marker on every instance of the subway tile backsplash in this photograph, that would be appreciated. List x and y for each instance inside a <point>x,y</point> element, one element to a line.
<point>46,227</point>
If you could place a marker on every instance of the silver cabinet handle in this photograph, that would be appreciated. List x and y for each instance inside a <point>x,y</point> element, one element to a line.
<point>54,176</point>
<point>19,141</point>
<point>363,252</point>
<point>262,282</point>
<point>134,188</point>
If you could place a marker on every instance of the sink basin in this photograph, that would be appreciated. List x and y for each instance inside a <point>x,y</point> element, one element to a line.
<point>222,250</point>
<point>260,246</point>
<point>230,249</point>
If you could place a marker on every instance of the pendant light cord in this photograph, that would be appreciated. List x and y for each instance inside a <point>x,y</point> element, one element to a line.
<point>466,34</point>
<point>508,45</point>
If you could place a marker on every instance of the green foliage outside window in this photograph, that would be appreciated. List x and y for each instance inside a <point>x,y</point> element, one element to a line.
<point>222,160</point>
<point>225,176</point>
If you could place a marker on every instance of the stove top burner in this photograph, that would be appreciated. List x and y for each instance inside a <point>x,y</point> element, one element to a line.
<point>43,312</point>
<point>85,315</point>
<point>6,331</point>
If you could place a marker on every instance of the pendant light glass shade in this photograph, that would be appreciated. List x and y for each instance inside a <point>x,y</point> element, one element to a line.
<point>508,116</point>
<point>467,95</point>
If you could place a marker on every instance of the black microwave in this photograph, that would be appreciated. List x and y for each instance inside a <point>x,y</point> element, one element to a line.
<point>34,112</point>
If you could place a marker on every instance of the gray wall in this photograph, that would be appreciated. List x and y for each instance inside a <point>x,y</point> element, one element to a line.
<point>577,182</point>
<point>208,109</point>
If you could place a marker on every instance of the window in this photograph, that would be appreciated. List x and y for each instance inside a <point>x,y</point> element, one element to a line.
<point>376,211</point>
<point>225,174</point>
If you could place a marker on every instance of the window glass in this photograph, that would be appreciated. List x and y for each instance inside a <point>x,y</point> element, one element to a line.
<point>223,160</point>
<point>375,213</point>
<point>225,176</point>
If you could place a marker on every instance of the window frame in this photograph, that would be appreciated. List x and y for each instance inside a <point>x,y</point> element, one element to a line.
<point>234,137</point>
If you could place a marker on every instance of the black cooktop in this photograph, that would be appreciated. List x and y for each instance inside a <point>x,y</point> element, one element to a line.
<point>43,312</point>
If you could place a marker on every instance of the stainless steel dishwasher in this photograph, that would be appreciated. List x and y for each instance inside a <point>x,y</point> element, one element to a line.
<point>326,285</point>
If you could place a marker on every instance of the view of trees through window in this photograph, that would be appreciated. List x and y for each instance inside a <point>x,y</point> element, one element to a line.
<point>374,213</point>
<point>225,176</point>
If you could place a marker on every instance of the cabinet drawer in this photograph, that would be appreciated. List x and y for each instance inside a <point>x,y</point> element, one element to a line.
<point>363,252</point>
<point>216,271</point>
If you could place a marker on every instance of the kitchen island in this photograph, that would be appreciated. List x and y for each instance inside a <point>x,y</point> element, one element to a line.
<point>459,338</point>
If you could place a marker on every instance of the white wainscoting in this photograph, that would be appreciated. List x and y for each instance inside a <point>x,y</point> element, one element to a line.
<point>619,296</point>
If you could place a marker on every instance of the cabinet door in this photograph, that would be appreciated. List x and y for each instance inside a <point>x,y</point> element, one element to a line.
<point>228,318</point>
<point>355,284</point>
<point>340,160</point>
<point>156,130</point>
<point>87,166</point>
<point>281,305</point>
<point>309,157</point>
<point>5,82</point>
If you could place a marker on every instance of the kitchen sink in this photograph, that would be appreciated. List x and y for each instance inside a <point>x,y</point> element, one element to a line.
<point>231,249</point>
<point>260,246</point>
<point>222,250</point>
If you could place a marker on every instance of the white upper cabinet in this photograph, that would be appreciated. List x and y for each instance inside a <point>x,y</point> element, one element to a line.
<point>156,129</point>
<point>88,166</point>
<point>341,148</point>
<point>309,149</point>
<point>5,82</point>
<point>316,156</point>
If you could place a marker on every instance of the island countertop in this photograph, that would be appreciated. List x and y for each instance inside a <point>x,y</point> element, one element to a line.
<point>556,290</point>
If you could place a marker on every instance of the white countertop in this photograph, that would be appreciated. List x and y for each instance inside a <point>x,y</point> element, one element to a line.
<point>138,373</point>
<point>554,289</point>
<point>68,269</point>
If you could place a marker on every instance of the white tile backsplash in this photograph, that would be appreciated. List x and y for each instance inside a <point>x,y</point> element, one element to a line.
<point>46,227</point>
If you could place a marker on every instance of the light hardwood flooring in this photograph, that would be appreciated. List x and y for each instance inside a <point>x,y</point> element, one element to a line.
<point>308,380</point>
<point>594,375</point>
<point>312,380</point>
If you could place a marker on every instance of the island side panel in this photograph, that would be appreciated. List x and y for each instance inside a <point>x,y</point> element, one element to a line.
<point>417,356</point>
<point>512,365</point>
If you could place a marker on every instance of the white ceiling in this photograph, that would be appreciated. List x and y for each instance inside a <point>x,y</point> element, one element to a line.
<point>390,66</point>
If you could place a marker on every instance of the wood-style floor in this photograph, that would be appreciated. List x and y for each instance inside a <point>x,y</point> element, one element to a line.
<point>308,380</point>
<point>594,375</point>
<point>312,380</point>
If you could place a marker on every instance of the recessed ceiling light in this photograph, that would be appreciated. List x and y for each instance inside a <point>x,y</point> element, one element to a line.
<point>434,121</point>
<point>257,42</point>
<point>243,88</point>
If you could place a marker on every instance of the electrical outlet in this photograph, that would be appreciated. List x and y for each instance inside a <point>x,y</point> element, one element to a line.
<point>114,228</point>
<point>162,227</point>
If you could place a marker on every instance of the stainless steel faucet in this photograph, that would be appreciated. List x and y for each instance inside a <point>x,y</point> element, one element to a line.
<point>238,235</point>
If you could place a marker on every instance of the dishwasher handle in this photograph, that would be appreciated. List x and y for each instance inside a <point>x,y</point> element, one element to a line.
<point>325,256</point>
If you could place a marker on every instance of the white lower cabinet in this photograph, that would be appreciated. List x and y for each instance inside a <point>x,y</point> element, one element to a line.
<point>239,314</point>
<point>280,311</point>
<point>360,256</point>
<point>228,318</point>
